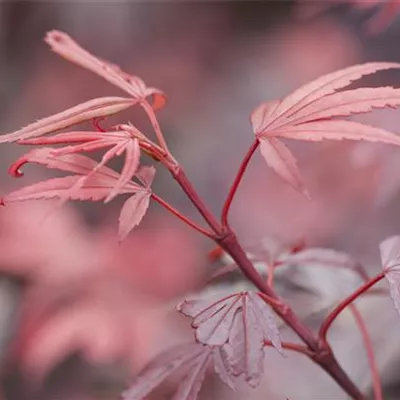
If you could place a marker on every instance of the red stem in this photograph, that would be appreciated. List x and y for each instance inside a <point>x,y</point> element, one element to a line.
<point>236,182</point>
<point>376,380</point>
<point>188,188</point>
<point>182,217</point>
<point>226,239</point>
<point>343,304</point>
<point>292,346</point>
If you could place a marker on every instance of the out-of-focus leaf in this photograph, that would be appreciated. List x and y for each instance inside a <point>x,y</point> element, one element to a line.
<point>162,367</point>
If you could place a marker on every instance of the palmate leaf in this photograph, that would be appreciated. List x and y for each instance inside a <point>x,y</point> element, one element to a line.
<point>390,256</point>
<point>240,323</point>
<point>118,141</point>
<point>78,141</point>
<point>98,183</point>
<point>193,358</point>
<point>245,346</point>
<point>311,113</point>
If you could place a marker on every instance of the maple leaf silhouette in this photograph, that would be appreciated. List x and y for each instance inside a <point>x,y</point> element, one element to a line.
<point>311,113</point>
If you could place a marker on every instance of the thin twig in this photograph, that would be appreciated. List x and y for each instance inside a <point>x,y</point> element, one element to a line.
<point>226,239</point>
<point>236,182</point>
<point>343,304</point>
<point>376,380</point>
<point>182,217</point>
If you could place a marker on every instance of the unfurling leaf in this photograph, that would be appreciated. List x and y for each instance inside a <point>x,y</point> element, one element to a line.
<point>240,323</point>
<point>311,113</point>
<point>390,256</point>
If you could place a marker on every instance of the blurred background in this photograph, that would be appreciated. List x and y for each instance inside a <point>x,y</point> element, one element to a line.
<point>80,314</point>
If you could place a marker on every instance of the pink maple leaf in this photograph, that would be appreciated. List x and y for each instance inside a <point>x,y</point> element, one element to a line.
<point>312,113</point>
<point>99,183</point>
<point>120,142</point>
<point>240,323</point>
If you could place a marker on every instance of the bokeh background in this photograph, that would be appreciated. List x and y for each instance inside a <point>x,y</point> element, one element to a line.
<point>80,314</point>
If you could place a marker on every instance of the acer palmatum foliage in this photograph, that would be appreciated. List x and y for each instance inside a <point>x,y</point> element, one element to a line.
<point>232,330</point>
<point>92,181</point>
<point>240,324</point>
<point>312,113</point>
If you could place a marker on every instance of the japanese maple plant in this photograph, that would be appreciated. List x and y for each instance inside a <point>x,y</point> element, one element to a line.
<point>230,332</point>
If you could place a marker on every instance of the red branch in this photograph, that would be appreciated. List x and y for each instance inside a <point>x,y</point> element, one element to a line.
<point>226,239</point>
